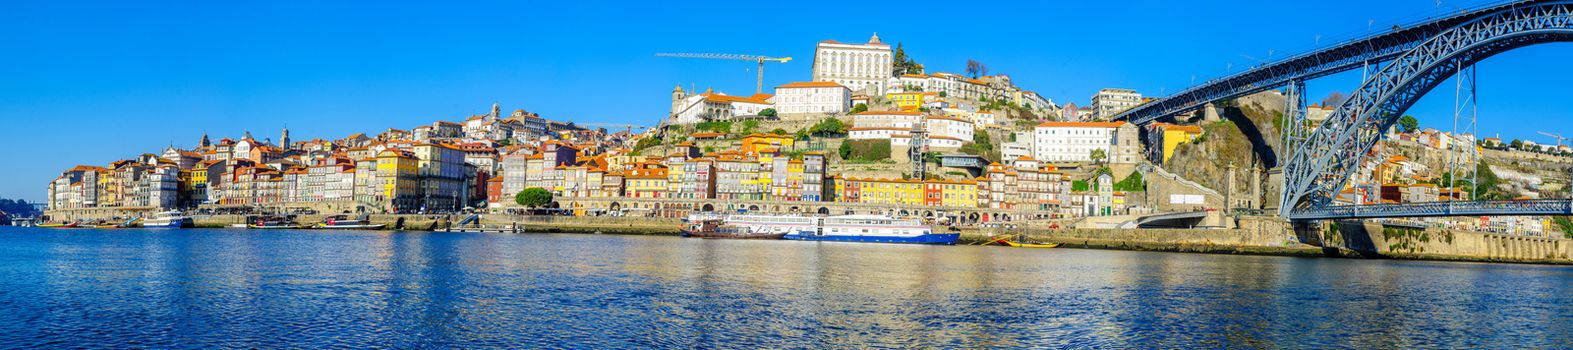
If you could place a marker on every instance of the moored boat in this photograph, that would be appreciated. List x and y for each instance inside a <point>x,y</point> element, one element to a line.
<point>59,225</point>
<point>716,227</point>
<point>166,219</point>
<point>874,229</point>
<point>272,223</point>
<point>340,222</point>
<point>1026,245</point>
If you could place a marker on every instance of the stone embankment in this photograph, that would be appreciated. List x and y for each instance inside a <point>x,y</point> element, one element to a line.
<point>1262,236</point>
<point>1378,240</point>
<point>1253,235</point>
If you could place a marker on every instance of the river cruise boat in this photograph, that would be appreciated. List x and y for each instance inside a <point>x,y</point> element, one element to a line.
<point>874,229</point>
<point>707,226</point>
<point>167,219</point>
<point>783,224</point>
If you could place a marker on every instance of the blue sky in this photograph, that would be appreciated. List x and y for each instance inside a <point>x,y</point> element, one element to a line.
<point>89,82</point>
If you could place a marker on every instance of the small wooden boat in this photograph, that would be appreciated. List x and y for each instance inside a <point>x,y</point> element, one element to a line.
<point>106,226</point>
<point>1025,245</point>
<point>65,225</point>
<point>1033,245</point>
<point>272,223</point>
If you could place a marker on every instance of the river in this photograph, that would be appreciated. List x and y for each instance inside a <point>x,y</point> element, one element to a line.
<point>312,289</point>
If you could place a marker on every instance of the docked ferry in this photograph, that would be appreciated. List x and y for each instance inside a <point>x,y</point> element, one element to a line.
<point>698,226</point>
<point>782,224</point>
<point>874,229</point>
<point>166,219</point>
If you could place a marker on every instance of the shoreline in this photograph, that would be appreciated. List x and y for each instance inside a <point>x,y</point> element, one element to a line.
<point>1068,238</point>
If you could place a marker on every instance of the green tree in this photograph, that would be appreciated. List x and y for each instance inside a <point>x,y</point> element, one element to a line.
<point>647,143</point>
<point>779,131</point>
<point>749,126</point>
<point>1565,225</point>
<point>1408,124</point>
<point>1098,155</point>
<point>828,126</point>
<point>533,197</point>
<point>863,107</point>
<point>981,137</point>
<point>845,150</point>
<point>723,127</point>
<point>1133,183</point>
<point>1516,144</point>
<point>901,63</point>
<point>801,134</point>
<point>768,112</point>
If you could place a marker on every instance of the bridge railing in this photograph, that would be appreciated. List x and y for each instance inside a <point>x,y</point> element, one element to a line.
<point>1442,208</point>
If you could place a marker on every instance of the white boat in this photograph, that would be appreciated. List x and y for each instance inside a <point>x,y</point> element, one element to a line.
<point>166,219</point>
<point>875,229</point>
<point>340,222</point>
<point>768,224</point>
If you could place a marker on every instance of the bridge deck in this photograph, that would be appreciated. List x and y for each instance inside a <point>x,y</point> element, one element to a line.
<point>1437,209</point>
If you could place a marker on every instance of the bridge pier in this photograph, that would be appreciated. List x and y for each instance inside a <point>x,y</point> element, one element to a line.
<point>1210,113</point>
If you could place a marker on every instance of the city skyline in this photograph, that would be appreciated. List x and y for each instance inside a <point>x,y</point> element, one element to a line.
<point>121,86</point>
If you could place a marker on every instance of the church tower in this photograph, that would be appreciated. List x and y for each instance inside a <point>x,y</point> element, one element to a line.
<point>204,143</point>
<point>284,139</point>
<point>677,99</point>
<point>496,111</point>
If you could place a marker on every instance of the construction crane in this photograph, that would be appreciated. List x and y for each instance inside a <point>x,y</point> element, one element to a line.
<point>629,127</point>
<point>1558,137</point>
<point>759,87</point>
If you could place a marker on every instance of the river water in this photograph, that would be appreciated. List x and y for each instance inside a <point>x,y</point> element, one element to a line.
<point>312,289</point>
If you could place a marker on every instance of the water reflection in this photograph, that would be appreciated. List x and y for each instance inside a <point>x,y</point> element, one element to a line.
<point>271,289</point>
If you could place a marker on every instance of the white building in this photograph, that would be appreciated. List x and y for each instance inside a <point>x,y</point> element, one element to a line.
<point>875,132</point>
<point>822,97</point>
<point>693,108</point>
<point>1022,147</point>
<point>887,119</point>
<point>863,68</point>
<point>1073,141</point>
<point>952,127</point>
<point>1108,102</point>
<point>934,142</point>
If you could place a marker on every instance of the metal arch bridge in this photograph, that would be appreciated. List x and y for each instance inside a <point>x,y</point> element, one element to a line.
<point>1421,57</point>
<point>1338,58</point>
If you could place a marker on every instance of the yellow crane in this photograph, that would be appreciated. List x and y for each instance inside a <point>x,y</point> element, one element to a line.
<point>759,87</point>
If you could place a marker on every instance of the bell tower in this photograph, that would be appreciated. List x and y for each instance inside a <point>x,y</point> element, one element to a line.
<point>284,139</point>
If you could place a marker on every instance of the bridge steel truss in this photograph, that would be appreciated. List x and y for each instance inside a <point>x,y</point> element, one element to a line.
<point>1342,57</point>
<point>1325,161</point>
<point>1446,208</point>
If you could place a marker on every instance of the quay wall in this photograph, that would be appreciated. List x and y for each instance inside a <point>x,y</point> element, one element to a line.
<point>1374,238</point>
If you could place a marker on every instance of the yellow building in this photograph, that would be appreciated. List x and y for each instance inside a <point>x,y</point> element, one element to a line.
<point>1174,135</point>
<point>889,191</point>
<point>396,171</point>
<point>960,194</point>
<point>907,101</point>
<point>646,181</point>
<point>765,143</point>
